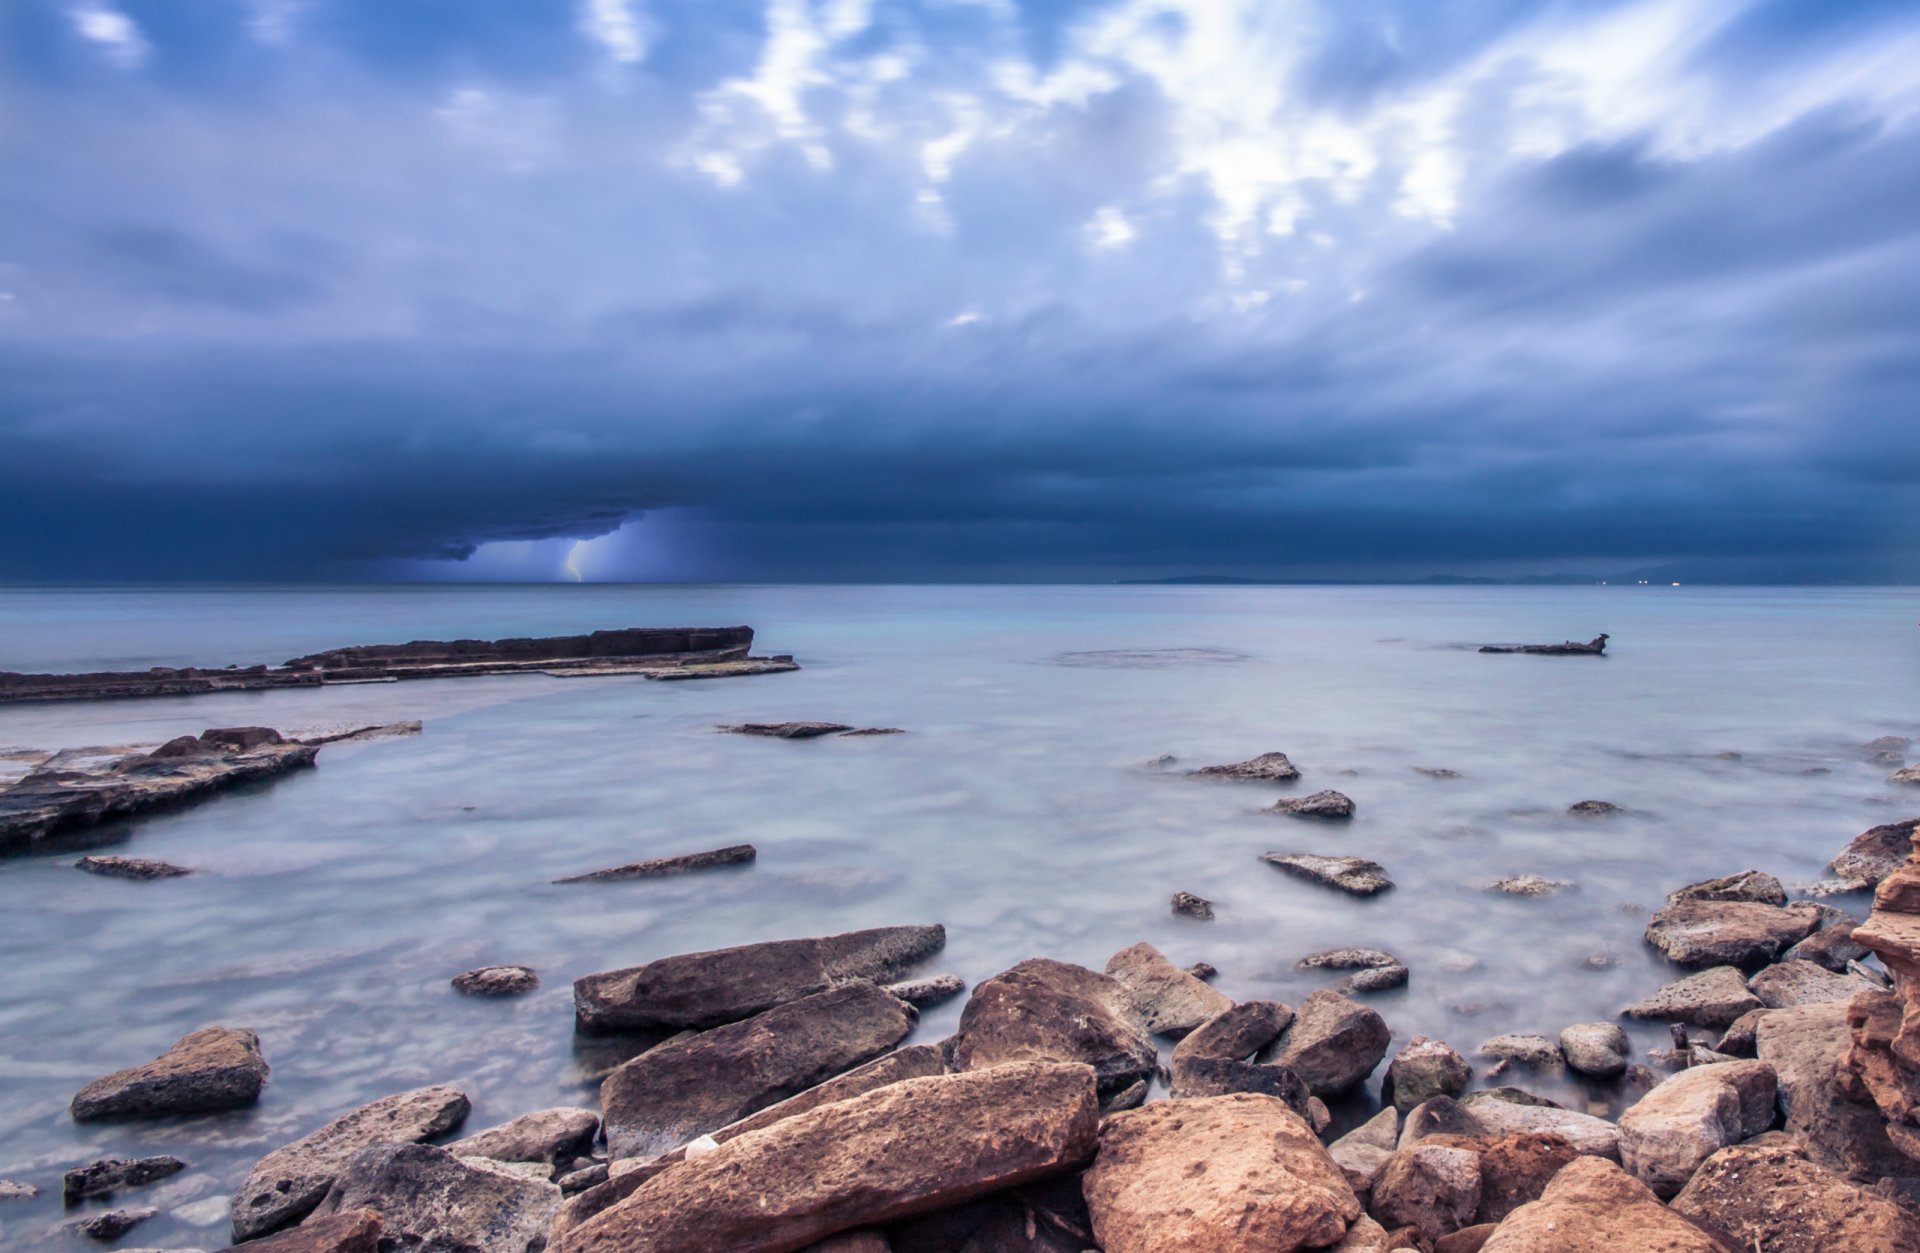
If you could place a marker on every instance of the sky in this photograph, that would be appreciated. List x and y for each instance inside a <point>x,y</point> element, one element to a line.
<point>958,289</point>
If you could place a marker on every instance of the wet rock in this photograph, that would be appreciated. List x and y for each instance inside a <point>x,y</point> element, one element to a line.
<point>1327,804</point>
<point>1166,999</point>
<point>1187,905</point>
<point>665,867</point>
<point>1430,1187</point>
<point>789,730</point>
<point>1832,946</point>
<point>1910,775</point>
<point>1047,1010</point>
<point>1711,998</point>
<point>1773,1198</point>
<point>1354,875</point>
<point>1197,1077</point>
<point>14,1190</point>
<point>1437,772</point>
<point>1666,1134</point>
<point>428,1198</point>
<point>1528,1050</point>
<point>549,1136</point>
<point>1266,768</point>
<point>1748,885</point>
<point>1203,970</point>
<point>1593,809</point>
<point>932,990</point>
<point>212,1069</point>
<point>1422,1070</point>
<point>665,1097</point>
<point>130,867</point>
<point>349,1231</point>
<point>1348,959</point>
<point>1592,1206</point>
<point>111,1224</point>
<point>908,1148</point>
<point>1802,983</point>
<point>1841,1130</point>
<point>114,1174</point>
<point>1739,1040</point>
<point>286,1184</point>
<point>1729,933</point>
<point>1334,1043</point>
<point>1230,1174</point>
<point>1236,1034</point>
<point>1509,1111</point>
<point>1528,885</point>
<point>857,732</point>
<point>497,981</point>
<point>1378,979</point>
<point>1887,750</point>
<point>1874,854</point>
<point>1600,1049</point>
<point>726,985</point>
<point>1363,1152</point>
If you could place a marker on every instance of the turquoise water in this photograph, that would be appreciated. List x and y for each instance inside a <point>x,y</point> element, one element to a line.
<point>333,907</point>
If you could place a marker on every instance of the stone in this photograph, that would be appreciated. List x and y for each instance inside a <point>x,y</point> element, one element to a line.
<point>1196,1077</point>
<point>1593,809</point>
<point>1187,905</point>
<point>711,989</point>
<point>428,1198</point>
<point>1514,1169</point>
<point>1131,1097</point>
<point>1909,775</point>
<point>1874,854</point>
<point>1832,946</point>
<point>110,1225</point>
<point>576,1181</point>
<point>1729,933</point>
<point>1806,1045</point>
<point>1773,1198</point>
<point>1528,1050</point>
<point>1424,1069</point>
<point>114,1174</point>
<point>1593,1206</point>
<point>916,1061</point>
<point>1666,1134</point>
<point>1348,959</point>
<point>14,1190</point>
<point>1363,1152</point>
<point>1438,772</point>
<point>130,867</point>
<point>1739,1040</point>
<point>1046,1010</point>
<point>927,992</point>
<point>349,1231</point>
<point>1595,647</point>
<point>1333,1043</point>
<point>1795,982</point>
<point>550,1136</point>
<point>1237,1033</point>
<point>1747,885</point>
<point>908,1148</point>
<point>1887,750</point>
<point>1377,979</point>
<point>1166,999</point>
<point>1528,885</point>
<point>1049,1216</point>
<point>284,1186</point>
<point>1711,998</point>
<point>207,1071</point>
<point>789,730</point>
<point>1327,804</point>
<point>667,1096</point>
<point>1429,1187</point>
<point>1509,1111</point>
<point>1600,1049</point>
<point>1229,1174</point>
<point>665,867</point>
<point>1466,1240</point>
<point>1354,875</point>
<point>497,981</point>
<point>1266,768</point>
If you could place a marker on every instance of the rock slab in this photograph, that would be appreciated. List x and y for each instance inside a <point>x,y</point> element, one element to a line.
<point>429,1199</point>
<point>1046,1010</point>
<point>209,1070</point>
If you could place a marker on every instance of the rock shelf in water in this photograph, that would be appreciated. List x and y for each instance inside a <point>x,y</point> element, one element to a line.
<point>1595,647</point>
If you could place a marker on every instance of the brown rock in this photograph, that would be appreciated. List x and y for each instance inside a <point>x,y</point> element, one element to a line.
<point>109,1225</point>
<point>130,867</point>
<point>349,1231</point>
<point>1424,1069</point>
<point>1355,876</point>
<point>1773,1198</point>
<point>1875,853</point>
<point>1729,933</point>
<point>1794,982</point>
<point>664,867</point>
<point>1187,905</point>
<point>1334,1043</point>
<point>113,1174</point>
<point>1363,1152</point>
<point>1592,1206</point>
<point>497,981</point>
<point>1711,998</point>
<point>428,1198</point>
<point>1429,1187</point>
<point>1466,1240</point>
<point>549,1136</point>
<point>1217,1076</point>
<point>916,1061</point>
<point>929,991</point>
<point>212,1069</point>
<point>1044,1010</point>
<point>1327,804</point>
<point>1166,999</point>
<point>1832,946</point>
<point>1840,1129</point>
<point>1237,1033</point>
<point>1666,1134</point>
<point>1266,768</point>
<point>1747,885</point>
<point>1514,1169</point>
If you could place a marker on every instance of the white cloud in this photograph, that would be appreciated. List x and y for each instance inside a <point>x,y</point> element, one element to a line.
<point>271,21</point>
<point>1109,231</point>
<point>623,34</point>
<point>519,133</point>
<point>113,30</point>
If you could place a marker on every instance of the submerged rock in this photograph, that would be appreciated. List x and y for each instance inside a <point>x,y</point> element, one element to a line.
<point>1354,875</point>
<point>113,1174</point>
<point>427,1198</point>
<point>1729,933</point>
<point>1327,804</point>
<point>111,1224</point>
<point>1266,768</point>
<point>130,867</point>
<point>14,1190</point>
<point>497,981</point>
<point>1051,1010</point>
<point>1348,959</point>
<point>1710,998</point>
<point>1166,999</point>
<point>1592,648</point>
<point>1422,1070</point>
<point>1529,885</point>
<point>1910,775</point>
<point>1187,905</point>
<point>1887,750</point>
<point>209,1070</point>
<point>1378,979</point>
<point>1528,1050</point>
<point>789,730</point>
<point>1593,809</point>
<point>1593,1206</point>
<point>664,867</point>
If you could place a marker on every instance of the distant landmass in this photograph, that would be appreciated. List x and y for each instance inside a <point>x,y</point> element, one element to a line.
<point>1709,573</point>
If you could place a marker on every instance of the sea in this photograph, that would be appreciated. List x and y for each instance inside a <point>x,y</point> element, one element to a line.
<point>1028,807</point>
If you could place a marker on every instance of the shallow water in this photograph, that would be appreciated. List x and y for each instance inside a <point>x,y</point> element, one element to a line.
<point>333,906</point>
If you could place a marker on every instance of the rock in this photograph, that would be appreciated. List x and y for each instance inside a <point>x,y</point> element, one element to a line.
<point>212,1069</point>
<point>577,1181</point>
<point>14,1190</point>
<point>285,1185</point>
<point>1747,885</point>
<point>1514,1169</point>
<point>1910,775</point>
<point>726,985</point>
<point>663,867</point>
<point>1806,1046</point>
<point>112,1224</point>
<point>497,981</point>
<point>1729,933</point>
<point>857,732</point>
<point>1237,1033</point>
<point>1528,885</point>
<point>1773,1198</point>
<point>1378,979</point>
<point>932,990</point>
<point>349,1231</point>
<point>1045,1217</point>
<point>428,1198</point>
<point>1430,1187</point>
<point>1327,804</point>
<point>1593,809</point>
<point>1355,875</point>
<point>1594,647</point>
<point>1187,905</point>
<point>1874,854</point>
<point>1363,1152</point>
<point>789,730</point>
<point>130,867</point>
<point>1887,750</point>
<point>908,1148</point>
<point>1045,1010</point>
<point>1266,768</point>
<point>1166,999</point>
<point>916,1061</point>
<point>1348,959</point>
<point>549,1136</point>
<point>1198,1077</point>
<point>1666,1134</point>
<point>1528,1050</point>
<point>1466,1240</point>
<point>1832,946</point>
<point>1131,1097</point>
<point>1599,1049</point>
<point>1334,1043</point>
<point>113,1174</point>
<point>1437,772</point>
<point>665,1097</point>
<point>1509,1111</point>
<point>1795,982</point>
<point>1711,998</point>
<point>1739,1040</point>
<point>1424,1069</point>
<point>1229,1174</point>
<point>1592,1206</point>
<point>1203,970</point>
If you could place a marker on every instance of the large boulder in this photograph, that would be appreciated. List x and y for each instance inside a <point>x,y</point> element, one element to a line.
<point>1748,885</point>
<point>908,1148</point>
<point>429,1199</point>
<point>1770,1196</point>
<point>1874,854</point>
<point>1592,1206</point>
<point>1334,1043</point>
<point>1432,1188</point>
<point>1687,1118</point>
<point>550,1136</point>
<point>726,985</point>
<point>1167,1000</point>
<point>668,1095</point>
<point>349,1231</point>
<point>285,1185</point>
<point>1046,1010</point>
<point>212,1069</point>
<point>1840,1128</point>
<point>1798,982</point>
<point>1729,933</point>
<point>1424,1069</point>
<point>1230,1174</point>
<point>1710,998</point>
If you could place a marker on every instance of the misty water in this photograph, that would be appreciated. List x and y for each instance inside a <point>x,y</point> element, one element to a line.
<point>330,908</point>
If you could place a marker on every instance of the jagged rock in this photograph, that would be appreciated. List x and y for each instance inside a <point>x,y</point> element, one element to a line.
<point>1514,1169</point>
<point>1047,1010</point>
<point>908,1148</point>
<point>285,1185</point>
<point>1711,998</point>
<point>1528,885</point>
<point>141,868</point>
<point>1230,1174</point>
<point>1429,1187</point>
<point>1874,854</point>
<point>1363,1152</point>
<point>1596,1048</point>
<point>664,867</point>
<point>665,1097</point>
<point>551,1136</point>
<point>1910,775</point>
<point>1528,1050</point>
<point>1666,1134</point>
<point>1327,804</point>
<point>428,1198</point>
<point>1806,1046</point>
<point>726,985</point>
<point>1738,1040</point>
<point>1748,885</point>
<point>1348,959</point>
<point>1334,1043</point>
<point>14,1190</point>
<point>1592,1206</point>
<point>1832,946</point>
<point>497,981</point>
<point>1377,979</point>
<point>1166,999</point>
<point>789,730</point>
<point>1237,1033</point>
<point>932,990</point>
<point>112,1224</point>
<point>1424,1069</point>
<point>1354,875</point>
<point>1729,933</point>
<point>1795,982</point>
<point>1593,809</point>
<point>113,1174</point>
<point>349,1231</point>
<point>1266,768</point>
<point>1509,1111</point>
<point>212,1069</point>
<point>1772,1197</point>
<point>1187,905</point>
<point>915,1061</point>
<point>1196,1077</point>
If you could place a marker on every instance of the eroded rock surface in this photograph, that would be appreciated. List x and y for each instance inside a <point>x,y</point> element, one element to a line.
<point>1729,932</point>
<point>1424,1069</point>
<point>429,1199</point>
<point>1166,999</point>
<point>1354,875</point>
<point>1592,1206</point>
<point>1711,998</point>
<point>209,1070</point>
<point>497,981</point>
<point>1046,1010</point>
<point>1266,768</point>
<point>1327,804</point>
<point>1773,1197</point>
<point>137,868</point>
<point>549,1136</point>
<point>1666,1134</point>
<point>1333,1043</point>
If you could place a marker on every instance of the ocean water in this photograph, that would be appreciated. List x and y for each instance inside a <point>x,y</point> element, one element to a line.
<point>332,907</point>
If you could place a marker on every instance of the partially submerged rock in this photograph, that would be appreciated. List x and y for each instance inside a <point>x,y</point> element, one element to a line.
<point>1909,775</point>
<point>1266,768</point>
<point>112,1174</point>
<point>1729,933</point>
<point>209,1070</point>
<point>1773,1197</point>
<point>1710,998</point>
<point>1422,1070</point>
<point>931,990</point>
<point>1187,905</point>
<point>1592,648</point>
<point>1353,875</point>
<point>428,1198</point>
<point>497,981</point>
<point>1333,1043</point>
<point>1528,885</point>
<point>1748,885</point>
<point>1600,1049</point>
<point>789,730</point>
<point>1377,979</point>
<point>1592,1206</point>
<point>1593,809</point>
<point>1832,946</point>
<point>141,868</point>
<point>552,1137</point>
<point>1348,959</point>
<point>1046,1010</point>
<point>1166,999</point>
<point>1874,854</point>
<point>663,867</point>
<point>1527,1050</point>
<point>110,1225</point>
<point>1327,804</point>
<point>1666,1134</point>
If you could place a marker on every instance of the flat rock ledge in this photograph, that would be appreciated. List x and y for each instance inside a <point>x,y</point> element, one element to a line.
<point>1595,647</point>
<point>497,981</point>
<point>1354,875</point>
<point>208,1071</point>
<point>1327,804</point>
<point>666,867</point>
<point>1266,768</point>
<point>803,730</point>
<point>137,868</point>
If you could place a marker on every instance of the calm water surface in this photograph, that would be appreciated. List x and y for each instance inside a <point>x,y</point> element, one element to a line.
<point>332,907</point>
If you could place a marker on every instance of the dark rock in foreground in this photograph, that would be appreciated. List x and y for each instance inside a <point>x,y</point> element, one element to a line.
<point>212,1069</point>
<point>1046,1009</point>
<point>1327,804</point>
<point>141,868</point>
<point>1354,875</point>
<point>496,981</point>
<point>1592,648</point>
<point>113,1174</point>
<point>1266,768</point>
<point>429,1199</point>
<point>662,867</point>
<point>113,1223</point>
